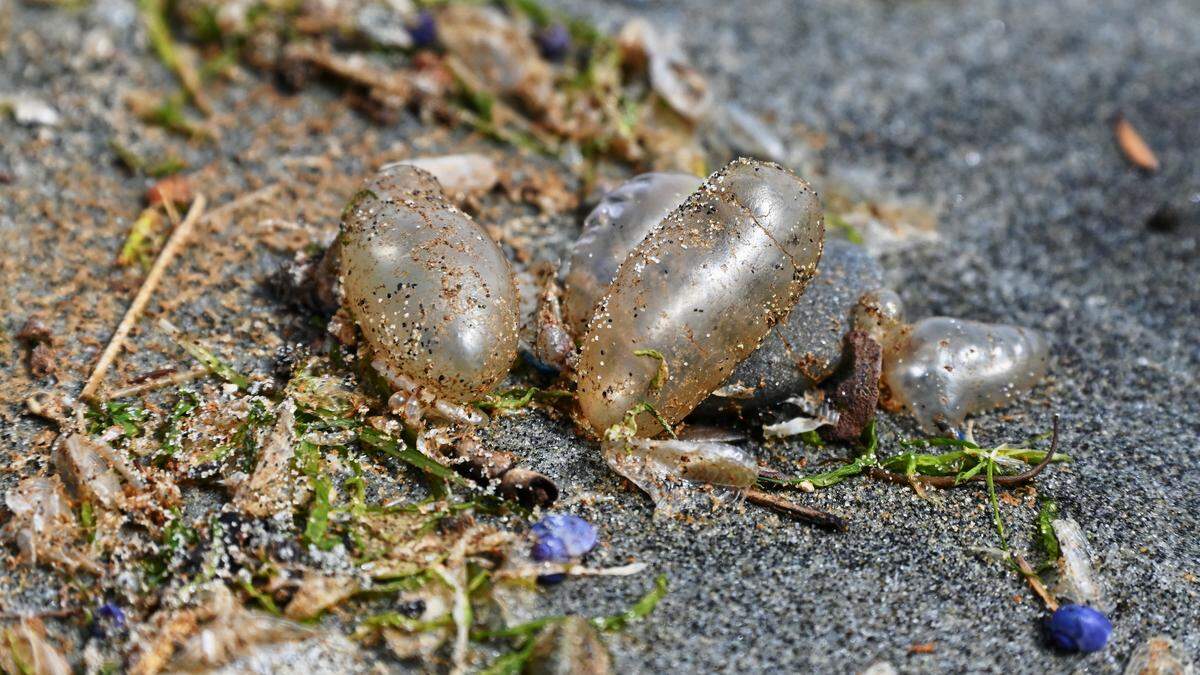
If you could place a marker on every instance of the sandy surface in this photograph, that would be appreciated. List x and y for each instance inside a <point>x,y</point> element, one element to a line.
<point>999,111</point>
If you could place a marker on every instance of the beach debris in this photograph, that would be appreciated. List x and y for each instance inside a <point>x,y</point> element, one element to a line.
<point>488,467</point>
<point>501,56</point>
<point>272,489</point>
<point>36,336</point>
<point>814,415</point>
<point>1077,578</point>
<point>562,537</point>
<point>95,471</point>
<point>171,249</point>
<point>26,649</point>
<point>572,645</point>
<point>1160,655</point>
<point>702,291</point>
<point>854,390</point>
<point>44,527</point>
<point>318,592</point>
<point>217,630</point>
<point>669,470</point>
<point>1135,148</point>
<point>1079,628</point>
<point>30,111</point>
<point>611,231</point>
<point>671,74</point>
<point>462,175</point>
<point>433,294</point>
<point>942,369</point>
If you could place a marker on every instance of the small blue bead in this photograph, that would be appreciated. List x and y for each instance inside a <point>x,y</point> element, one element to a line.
<point>423,30</point>
<point>577,535</point>
<point>1079,628</point>
<point>550,548</point>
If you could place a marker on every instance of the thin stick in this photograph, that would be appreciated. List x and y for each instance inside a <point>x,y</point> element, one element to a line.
<point>790,508</point>
<point>1035,582</point>
<point>172,248</point>
<point>159,383</point>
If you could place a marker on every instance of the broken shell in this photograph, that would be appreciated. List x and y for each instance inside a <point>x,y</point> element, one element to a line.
<point>432,293</point>
<point>942,369</point>
<point>702,290</point>
<point>615,227</point>
<point>466,174</point>
<point>497,51</point>
<point>528,488</point>
<point>671,74</point>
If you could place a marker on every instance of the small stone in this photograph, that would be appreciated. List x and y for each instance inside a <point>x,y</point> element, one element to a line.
<point>1165,219</point>
<point>33,112</point>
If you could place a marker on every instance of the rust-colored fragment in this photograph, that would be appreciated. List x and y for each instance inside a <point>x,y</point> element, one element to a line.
<point>854,390</point>
<point>1136,150</point>
<point>177,189</point>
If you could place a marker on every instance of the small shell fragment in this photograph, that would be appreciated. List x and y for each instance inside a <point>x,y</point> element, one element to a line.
<point>497,51</point>
<point>671,74</point>
<point>571,646</point>
<point>1160,655</point>
<point>465,174</point>
<point>1077,579</point>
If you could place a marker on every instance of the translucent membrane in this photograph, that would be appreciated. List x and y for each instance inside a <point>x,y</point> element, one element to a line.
<point>619,222</point>
<point>942,369</point>
<point>701,291</point>
<point>433,294</point>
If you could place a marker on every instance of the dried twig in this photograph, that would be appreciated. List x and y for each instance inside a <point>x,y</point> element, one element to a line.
<point>158,383</point>
<point>790,508</point>
<point>170,250</point>
<point>1035,582</point>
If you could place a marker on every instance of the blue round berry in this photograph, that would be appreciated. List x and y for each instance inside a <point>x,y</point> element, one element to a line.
<point>1079,628</point>
<point>423,30</point>
<point>551,579</point>
<point>108,619</point>
<point>578,535</point>
<point>553,41</point>
<point>550,548</point>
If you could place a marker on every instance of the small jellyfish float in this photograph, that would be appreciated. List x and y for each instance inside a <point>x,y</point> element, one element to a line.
<point>698,294</point>
<point>432,293</point>
<point>941,369</point>
<point>435,300</point>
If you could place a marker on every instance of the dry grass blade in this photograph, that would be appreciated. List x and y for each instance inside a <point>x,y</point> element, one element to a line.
<point>1136,150</point>
<point>174,245</point>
